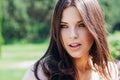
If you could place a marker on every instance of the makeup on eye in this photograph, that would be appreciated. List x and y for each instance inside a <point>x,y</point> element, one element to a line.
<point>66,26</point>
<point>81,25</point>
<point>63,26</point>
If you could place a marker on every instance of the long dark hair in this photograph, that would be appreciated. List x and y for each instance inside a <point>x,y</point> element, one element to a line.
<point>56,63</point>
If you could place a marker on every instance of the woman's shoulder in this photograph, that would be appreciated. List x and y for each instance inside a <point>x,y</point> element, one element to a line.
<point>29,75</point>
<point>113,70</point>
<point>112,67</point>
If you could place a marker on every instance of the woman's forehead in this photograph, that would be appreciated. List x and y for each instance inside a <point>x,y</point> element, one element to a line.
<point>71,14</point>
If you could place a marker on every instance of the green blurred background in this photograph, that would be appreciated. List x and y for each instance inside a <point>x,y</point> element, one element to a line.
<point>24,33</point>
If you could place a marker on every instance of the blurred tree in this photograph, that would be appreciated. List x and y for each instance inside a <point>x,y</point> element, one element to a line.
<point>27,19</point>
<point>1,38</point>
<point>116,27</point>
<point>40,14</point>
<point>111,12</point>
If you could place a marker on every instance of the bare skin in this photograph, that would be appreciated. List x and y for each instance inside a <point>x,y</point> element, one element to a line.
<point>77,40</point>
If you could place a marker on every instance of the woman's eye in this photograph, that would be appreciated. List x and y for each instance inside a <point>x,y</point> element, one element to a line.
<point>64,26</point>
<point>81,25</point>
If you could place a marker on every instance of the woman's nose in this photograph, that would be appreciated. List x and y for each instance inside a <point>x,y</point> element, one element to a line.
<point>73,34</point>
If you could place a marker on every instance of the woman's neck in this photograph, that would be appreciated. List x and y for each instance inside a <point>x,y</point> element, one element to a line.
<point>82,64</point>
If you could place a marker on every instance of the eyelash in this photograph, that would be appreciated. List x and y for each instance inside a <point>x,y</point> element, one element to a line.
<point>63,26</point>
<point>80,25</point>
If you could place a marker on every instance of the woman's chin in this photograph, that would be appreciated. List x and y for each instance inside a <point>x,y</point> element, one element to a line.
<point>76,55</point>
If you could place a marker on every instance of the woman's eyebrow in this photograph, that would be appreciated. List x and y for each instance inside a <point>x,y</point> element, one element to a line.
<point>63,23</point>
<point>67,23</point>
<point>80,21</point>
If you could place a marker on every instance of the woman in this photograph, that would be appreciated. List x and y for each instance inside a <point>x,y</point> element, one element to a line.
<point>78,49</point>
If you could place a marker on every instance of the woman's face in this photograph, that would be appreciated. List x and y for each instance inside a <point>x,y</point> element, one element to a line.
<point>75,37</point>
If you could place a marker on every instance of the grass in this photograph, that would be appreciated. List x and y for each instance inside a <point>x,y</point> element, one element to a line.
<point>12,74</point>
<point>16,59</point>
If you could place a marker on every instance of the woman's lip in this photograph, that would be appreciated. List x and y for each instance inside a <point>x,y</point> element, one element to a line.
<point>75,47</point>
